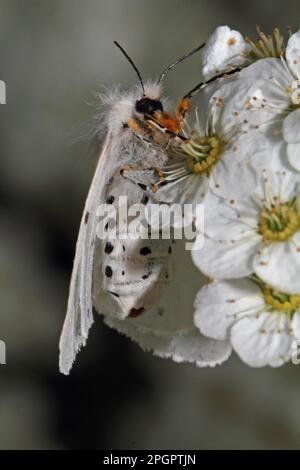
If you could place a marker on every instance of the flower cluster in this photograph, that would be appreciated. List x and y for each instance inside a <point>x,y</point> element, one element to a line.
<point>252,208</point>
<point>242,159</point>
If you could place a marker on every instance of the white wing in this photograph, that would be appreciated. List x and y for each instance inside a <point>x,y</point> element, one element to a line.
<point>79,317</point>
<point>167,329</point>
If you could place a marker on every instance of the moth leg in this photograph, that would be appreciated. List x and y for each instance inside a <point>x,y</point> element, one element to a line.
<point>182,108</point>
<point>136,128</point>
<point>165,129</point>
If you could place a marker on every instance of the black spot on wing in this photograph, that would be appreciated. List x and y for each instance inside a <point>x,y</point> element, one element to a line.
<point>108,248</point>
<point>108,272</point>
<point>145,199</point>
<point>110,199</point>
<point>145,251</point>
<point>146,276</point>
<point>86,217</point>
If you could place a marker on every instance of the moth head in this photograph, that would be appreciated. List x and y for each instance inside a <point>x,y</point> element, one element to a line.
<point>148,106</point>
<point>150,100</point>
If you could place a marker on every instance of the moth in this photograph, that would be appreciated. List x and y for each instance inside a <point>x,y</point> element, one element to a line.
<point>131,272</point>
<point>167,183</point>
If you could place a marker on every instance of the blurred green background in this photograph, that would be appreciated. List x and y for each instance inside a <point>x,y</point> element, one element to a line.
<point>53,56</point>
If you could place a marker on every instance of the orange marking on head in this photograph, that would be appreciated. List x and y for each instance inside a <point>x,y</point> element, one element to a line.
<point>170,123</point>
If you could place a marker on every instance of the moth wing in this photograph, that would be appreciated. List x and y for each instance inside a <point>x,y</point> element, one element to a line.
<point>138,271</point>
<point>167,329</point>
<point>79,317</point>
<point>130,269</point>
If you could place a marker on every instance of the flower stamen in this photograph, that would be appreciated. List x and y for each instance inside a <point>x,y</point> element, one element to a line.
<point>281,302</point>
<point>202,153</point>
<point>279,222</point>
<point>267,46</point>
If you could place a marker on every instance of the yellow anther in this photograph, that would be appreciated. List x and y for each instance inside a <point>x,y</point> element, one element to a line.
<point>280,302</point>
<point>280,222</point>
<point>203,153</point>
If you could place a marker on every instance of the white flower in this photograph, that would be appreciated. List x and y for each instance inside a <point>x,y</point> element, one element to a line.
<point>224,148</point>
<point>263,325</point>
<point>281,92</point>
<point>167,329</point>
<point>260,234</point>
<point>225,50</point>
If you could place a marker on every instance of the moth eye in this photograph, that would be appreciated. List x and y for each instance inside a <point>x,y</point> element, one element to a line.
<point>108,248</point>
<point>108,272</point>
<point>110,200</point>
<point>145,251</point>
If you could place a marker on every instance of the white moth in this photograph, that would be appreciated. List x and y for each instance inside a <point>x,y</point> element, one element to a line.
<point>131,273</point>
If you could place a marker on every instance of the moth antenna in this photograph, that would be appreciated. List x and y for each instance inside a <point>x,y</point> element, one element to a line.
<point>201,85</point>
<point>181,59</point>
<point>133,65</point>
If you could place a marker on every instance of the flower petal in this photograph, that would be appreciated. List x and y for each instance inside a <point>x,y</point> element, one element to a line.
<point>291,127</point>
<point>226,260</point>
<point>236,175</point>
<point>263,340</point>
<point>278,264</point>
<point>239,217</point>
<point>242,104</point>
<point>279,184</point>
<point>277,79</point>
<point>218,305</point>
<point>293,155</point>
<point>224,50</point>
<point>293,53</point>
